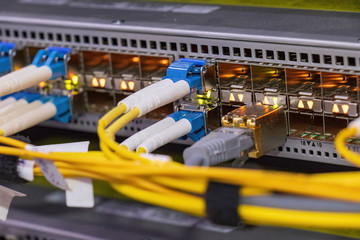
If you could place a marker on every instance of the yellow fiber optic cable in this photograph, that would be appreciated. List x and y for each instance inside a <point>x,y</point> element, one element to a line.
<point>341,147</point>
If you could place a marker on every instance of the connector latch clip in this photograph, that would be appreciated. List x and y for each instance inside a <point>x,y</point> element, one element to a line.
<point>7,51</point>
<point>54,57</point>
<point>188,70</point>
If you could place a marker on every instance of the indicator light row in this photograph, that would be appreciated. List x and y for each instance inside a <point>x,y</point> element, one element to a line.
<point>306,104</point>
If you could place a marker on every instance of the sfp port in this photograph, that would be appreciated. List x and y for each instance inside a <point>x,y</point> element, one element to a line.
<point>340,94</point>
<point>161,112</point>
<point>235,83</point>
<point>97,69</point>
<point>99,102</point>
<point>303,82</point>
<point>309,126</point>
<point>126,72</point>
<point>304,88</point>
<point>154,68</point>
<point>31,52</point>
<point>234,74</point>
<point>123,64</point>
<point>268,79</point>
<point>20,59</point>
<point>333,125</point>
<point>336,85</point>
<point>269,84</point>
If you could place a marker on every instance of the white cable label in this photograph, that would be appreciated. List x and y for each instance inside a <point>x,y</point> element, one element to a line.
<point>6,196</point>
<point>51,173</point>
<point>81,193</point>
<point>63,147</point>
<point>25,169</point>
<point>48,168</point>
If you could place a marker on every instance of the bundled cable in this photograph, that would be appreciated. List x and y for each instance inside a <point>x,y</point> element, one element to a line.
<point>352,130</point>
<point>47,64</point>
<point>31,114</point>
<point>186,124</point>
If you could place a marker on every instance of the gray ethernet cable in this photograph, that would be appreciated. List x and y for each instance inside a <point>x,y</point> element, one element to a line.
<point>221,145</point>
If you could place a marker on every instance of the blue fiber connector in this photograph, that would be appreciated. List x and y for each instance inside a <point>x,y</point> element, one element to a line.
<point>54,57</point>
<point>197,123</point>
<point>29,97</point>
<point>188,70</point>
<point>6,50</point>
<point>178,115</point>
<point>62,104</point>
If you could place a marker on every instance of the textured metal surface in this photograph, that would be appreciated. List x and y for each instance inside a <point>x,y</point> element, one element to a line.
<point>291,31</point>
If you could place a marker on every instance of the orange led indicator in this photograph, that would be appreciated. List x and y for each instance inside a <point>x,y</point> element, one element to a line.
<point>335,108</point>
<point>345,108</point>
<point>310,104</point>
<point>135,59</point>
<point>102,82</point>
<point>227,75</point>
<point>42,84</point>
<point>123,85</point>
<point>165,62</point>
<point>131,85</point>
<point>94,82</point>
<point>301,104</point>
<point>266,100</point>
<point>232,98</point>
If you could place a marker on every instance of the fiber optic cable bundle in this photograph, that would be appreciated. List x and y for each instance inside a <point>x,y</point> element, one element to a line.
<point>251,196</point>
<point>21,110</point>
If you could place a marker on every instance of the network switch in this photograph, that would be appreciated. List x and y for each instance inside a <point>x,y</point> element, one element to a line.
<point>295,60</point>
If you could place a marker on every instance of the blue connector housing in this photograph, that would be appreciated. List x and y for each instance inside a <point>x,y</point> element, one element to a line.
<point>62,104</point>
<point>29,97</point>
<point>54,57</point>
<point>188,70</point>
<point>197,123</point>
<point>178,115</point>
<point>6,53</point>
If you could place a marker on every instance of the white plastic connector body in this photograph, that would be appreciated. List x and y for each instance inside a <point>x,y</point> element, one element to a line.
<point>135,140</point>
<point>10,107</point>
<point>163,96</point>
<point>7,101</point>
<point>19,72</point>
<point>28,79</point>
<point>179,129</point>
<point>356,124</point>
<point>144,93</point>
<point>19,111</point>
<point>29,119</point>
